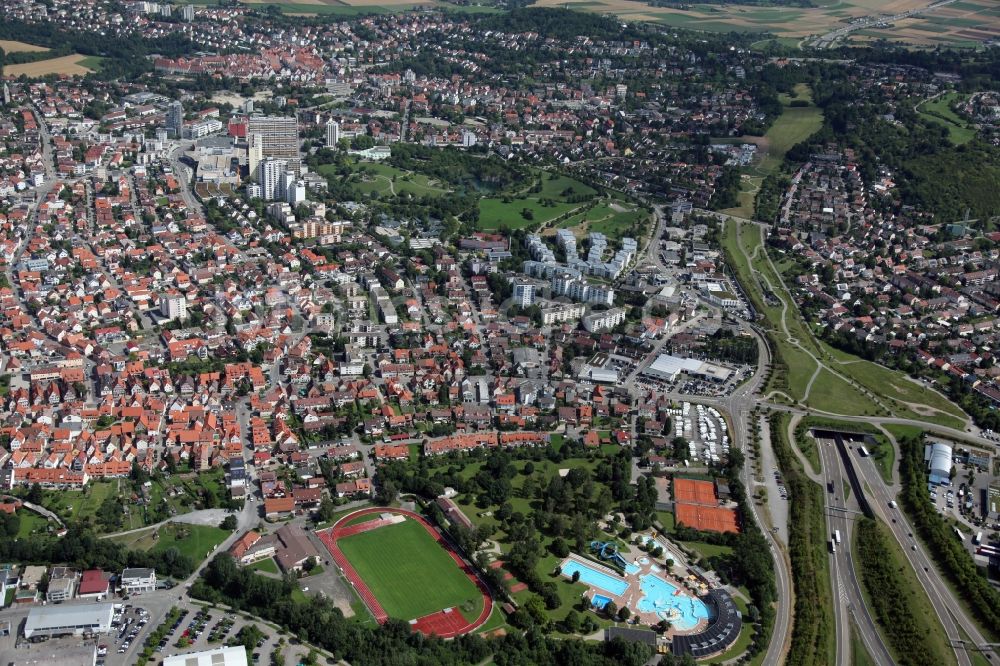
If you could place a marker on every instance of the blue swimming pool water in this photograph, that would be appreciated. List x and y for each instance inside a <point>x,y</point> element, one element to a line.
<point>599,601</point>
<point>594,578</point>
<point>658,597</point>
<point>631,569</point>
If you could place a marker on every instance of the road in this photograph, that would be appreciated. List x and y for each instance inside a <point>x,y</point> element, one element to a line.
<point>738,406</point>
<point>947,607</point>
<point>831,38</point>
<point>848,600</point>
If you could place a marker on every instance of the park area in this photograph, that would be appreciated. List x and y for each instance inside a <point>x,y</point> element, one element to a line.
<point>559,196</point>
<point>809,372</point>
<point>402,568</point>
<point>614,218</point>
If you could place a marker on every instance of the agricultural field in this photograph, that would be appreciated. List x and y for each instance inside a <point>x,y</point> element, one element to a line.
<point>409,573</point>
<point>351,7</point>
<point>10,46</point>
<point>71,65</point>
<point>964,23</point>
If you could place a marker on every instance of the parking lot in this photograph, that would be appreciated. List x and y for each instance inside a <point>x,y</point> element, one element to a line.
<point>201,629</point>
<point>129,622</point>
<point>197,628</point>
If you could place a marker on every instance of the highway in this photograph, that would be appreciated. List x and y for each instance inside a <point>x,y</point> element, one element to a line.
<point>845,588</point>
<point>947,607</point>
<point>831,38</point>
<point>849,601</point>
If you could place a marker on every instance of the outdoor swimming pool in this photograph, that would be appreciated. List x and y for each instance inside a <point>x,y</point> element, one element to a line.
<point>599,601</point>
<point>595,578</point>
<point>631,569</point>
<point>660,597</point>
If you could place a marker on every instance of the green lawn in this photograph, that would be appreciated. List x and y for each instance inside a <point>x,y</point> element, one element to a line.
<point>267,565</point>
<point>495,213</point>
<point>560,194</point>
<point>388,179</point>
<point>557,186</point>
<point>829,389</point>
<point>408,572</point>
<point>707,549</point>
<point>195,541</point>
<point>794,125</point>
<point>495,621</point>
<point>901,431</point>
<point>615,219</point>
<point>91,62</point>
<point>30,522</point>
<point>884,456</point>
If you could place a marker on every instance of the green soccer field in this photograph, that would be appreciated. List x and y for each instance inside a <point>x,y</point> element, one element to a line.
<point>409,573</point>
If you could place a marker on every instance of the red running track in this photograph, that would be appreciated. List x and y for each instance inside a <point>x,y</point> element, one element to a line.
<point>444,625</point>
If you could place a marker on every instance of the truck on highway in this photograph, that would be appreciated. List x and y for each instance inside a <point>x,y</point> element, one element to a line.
<point>978,539</point>
<point>829,486</point>
<point>892,504</point>
<point>833,546</point>
<point>836,536</point>
<point>863,451</point>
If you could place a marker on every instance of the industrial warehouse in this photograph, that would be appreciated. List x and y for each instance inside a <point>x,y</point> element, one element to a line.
<point>78,620</point>
<point>668,367</point>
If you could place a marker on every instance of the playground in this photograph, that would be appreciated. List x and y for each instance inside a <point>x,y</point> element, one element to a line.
<point>388,554</point>
<point>649,590</point>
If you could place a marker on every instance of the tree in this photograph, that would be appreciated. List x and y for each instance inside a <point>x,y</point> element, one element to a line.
<point>571,623</point>
<point>229,523</point>
<point>249,636</point>
<point>624,613</point>
<point>35,494</point>
<point>386,492</point>
<point>327,509</point>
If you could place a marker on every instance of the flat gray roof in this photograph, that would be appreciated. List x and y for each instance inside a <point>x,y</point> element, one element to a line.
<point>223,656</point>
<point>68,617</point>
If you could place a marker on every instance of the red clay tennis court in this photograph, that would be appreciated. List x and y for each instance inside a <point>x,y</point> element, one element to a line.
<point>708,518</point>
<point>447,623</point>
<point>694,491</point>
